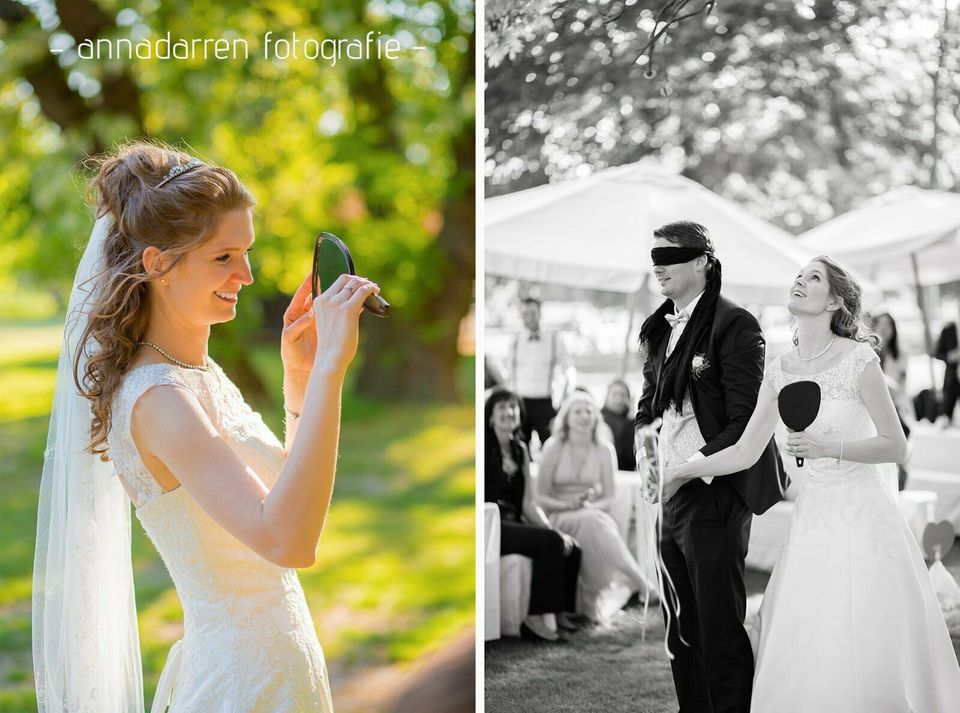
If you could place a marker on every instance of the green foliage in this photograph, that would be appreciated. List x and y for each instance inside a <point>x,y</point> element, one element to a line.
<point>395,569</point>
<point>365,149</point>
<point>797,110</point>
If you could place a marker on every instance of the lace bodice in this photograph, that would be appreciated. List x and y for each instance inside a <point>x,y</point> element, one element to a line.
<point>223,404</point>
<point>249,644</point>
<point>837,494</point>
<point>843,414</point>
<point>839,381</point>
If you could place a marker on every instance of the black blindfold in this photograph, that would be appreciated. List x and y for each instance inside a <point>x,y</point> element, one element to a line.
<point>673,256</point>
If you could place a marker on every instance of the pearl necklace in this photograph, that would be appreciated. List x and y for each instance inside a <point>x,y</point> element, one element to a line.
<point>199,367</point>
<point>830,344</point>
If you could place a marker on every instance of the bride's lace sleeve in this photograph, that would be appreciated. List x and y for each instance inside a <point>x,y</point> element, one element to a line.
<point>263,451</point>
<point>246,421</point>
<point>773,374</point>
<point>862,355</point>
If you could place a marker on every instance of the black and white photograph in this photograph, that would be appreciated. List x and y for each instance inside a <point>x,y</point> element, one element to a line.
<point>721,289</point>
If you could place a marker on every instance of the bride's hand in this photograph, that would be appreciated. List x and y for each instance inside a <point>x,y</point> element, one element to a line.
<point>802,445</point>
<point>298,342</point>
<point>337,315</point>
<point>340,306</point>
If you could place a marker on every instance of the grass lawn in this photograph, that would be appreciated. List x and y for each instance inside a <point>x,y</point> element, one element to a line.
<point>394,576</point>
<point>608,668</point>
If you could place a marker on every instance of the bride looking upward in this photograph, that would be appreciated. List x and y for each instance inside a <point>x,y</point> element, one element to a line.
<point>849,620</point>
<point>142,414</point>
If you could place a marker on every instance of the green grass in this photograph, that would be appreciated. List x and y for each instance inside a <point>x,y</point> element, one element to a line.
<point>395,568</point>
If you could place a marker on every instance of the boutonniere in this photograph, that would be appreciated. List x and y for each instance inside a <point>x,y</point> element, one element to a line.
<point>699,365</point>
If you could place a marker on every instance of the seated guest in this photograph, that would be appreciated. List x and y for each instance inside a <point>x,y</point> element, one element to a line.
<point>616,414</point>
<point>524,528</point>
<point>576,486</point>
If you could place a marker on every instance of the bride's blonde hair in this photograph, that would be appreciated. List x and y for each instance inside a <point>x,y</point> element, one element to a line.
<point>175,217</point>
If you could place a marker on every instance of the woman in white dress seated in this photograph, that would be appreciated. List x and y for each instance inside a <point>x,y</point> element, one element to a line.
<point>229,508</point>
<point>849,621</point>
<point>576,488</point>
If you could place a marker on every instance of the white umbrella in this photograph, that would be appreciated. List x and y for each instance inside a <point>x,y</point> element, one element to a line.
<point>596,233</point>
<point>907,231</point>
<point>892,235</point>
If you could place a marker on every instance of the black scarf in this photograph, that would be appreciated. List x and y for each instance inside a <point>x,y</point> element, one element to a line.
<point>675,376</point>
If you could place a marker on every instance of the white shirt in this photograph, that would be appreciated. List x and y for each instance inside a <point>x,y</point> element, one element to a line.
<point>530,363</point>
<point>678,330</point>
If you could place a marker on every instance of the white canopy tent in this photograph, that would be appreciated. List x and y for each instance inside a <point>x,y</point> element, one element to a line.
<point>906,232</point>
<point>906,235</point>
<point>596,233</point>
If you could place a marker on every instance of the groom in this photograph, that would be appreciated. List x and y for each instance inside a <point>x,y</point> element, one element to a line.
<point>702,373</point>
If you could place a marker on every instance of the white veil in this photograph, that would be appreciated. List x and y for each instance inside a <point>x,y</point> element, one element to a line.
<point>86,650</point>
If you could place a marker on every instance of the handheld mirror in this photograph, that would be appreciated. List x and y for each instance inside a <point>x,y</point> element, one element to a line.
<point>799,404</point>
<point>331,258</point>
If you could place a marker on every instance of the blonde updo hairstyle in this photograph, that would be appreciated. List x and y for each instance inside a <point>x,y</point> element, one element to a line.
<point>561,424</point>
<point>176,218</point>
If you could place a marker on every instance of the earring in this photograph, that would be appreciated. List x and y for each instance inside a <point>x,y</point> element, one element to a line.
<point>163,280</point>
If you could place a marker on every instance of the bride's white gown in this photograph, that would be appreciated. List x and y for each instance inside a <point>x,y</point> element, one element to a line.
<point>849,621</point>
<point>249,644</point>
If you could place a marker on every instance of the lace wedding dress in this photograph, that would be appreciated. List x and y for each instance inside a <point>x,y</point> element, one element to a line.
<point>850,621</point>
<point>249,645</point>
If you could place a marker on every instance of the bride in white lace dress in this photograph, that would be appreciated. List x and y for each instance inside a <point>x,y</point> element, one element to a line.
<point>849,620</point>
<point>229,508</point>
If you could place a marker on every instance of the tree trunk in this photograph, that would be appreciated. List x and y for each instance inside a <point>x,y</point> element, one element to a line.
<point>419,361</point>
<point>414,355</point>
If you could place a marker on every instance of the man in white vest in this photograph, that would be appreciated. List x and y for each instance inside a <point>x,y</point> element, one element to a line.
<point>534,358</point>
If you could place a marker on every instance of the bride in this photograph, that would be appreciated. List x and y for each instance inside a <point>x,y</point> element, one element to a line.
<point>142,412</point>
<point>849,621</point>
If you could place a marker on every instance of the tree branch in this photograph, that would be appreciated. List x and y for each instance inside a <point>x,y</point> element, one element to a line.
<point>668,16</point>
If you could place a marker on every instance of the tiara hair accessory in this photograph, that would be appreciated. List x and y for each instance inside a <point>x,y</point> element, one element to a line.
<point>180,168</point>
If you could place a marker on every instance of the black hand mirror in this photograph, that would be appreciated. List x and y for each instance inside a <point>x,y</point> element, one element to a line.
<point>331,258</point>
<point>799,404</point>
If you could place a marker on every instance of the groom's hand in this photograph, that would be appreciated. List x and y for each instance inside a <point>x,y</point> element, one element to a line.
<point>651,492</point>
<point>643,431</point>
<point>671,483</point>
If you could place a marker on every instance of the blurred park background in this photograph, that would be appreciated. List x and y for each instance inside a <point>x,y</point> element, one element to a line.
<point>379,152</point>
<point>789,112</point>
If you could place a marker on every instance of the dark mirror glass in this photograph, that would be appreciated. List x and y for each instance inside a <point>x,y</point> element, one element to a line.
<point>331,258</point>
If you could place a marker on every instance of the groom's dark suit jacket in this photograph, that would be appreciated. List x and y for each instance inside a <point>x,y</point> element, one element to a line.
<point>724,396</point>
